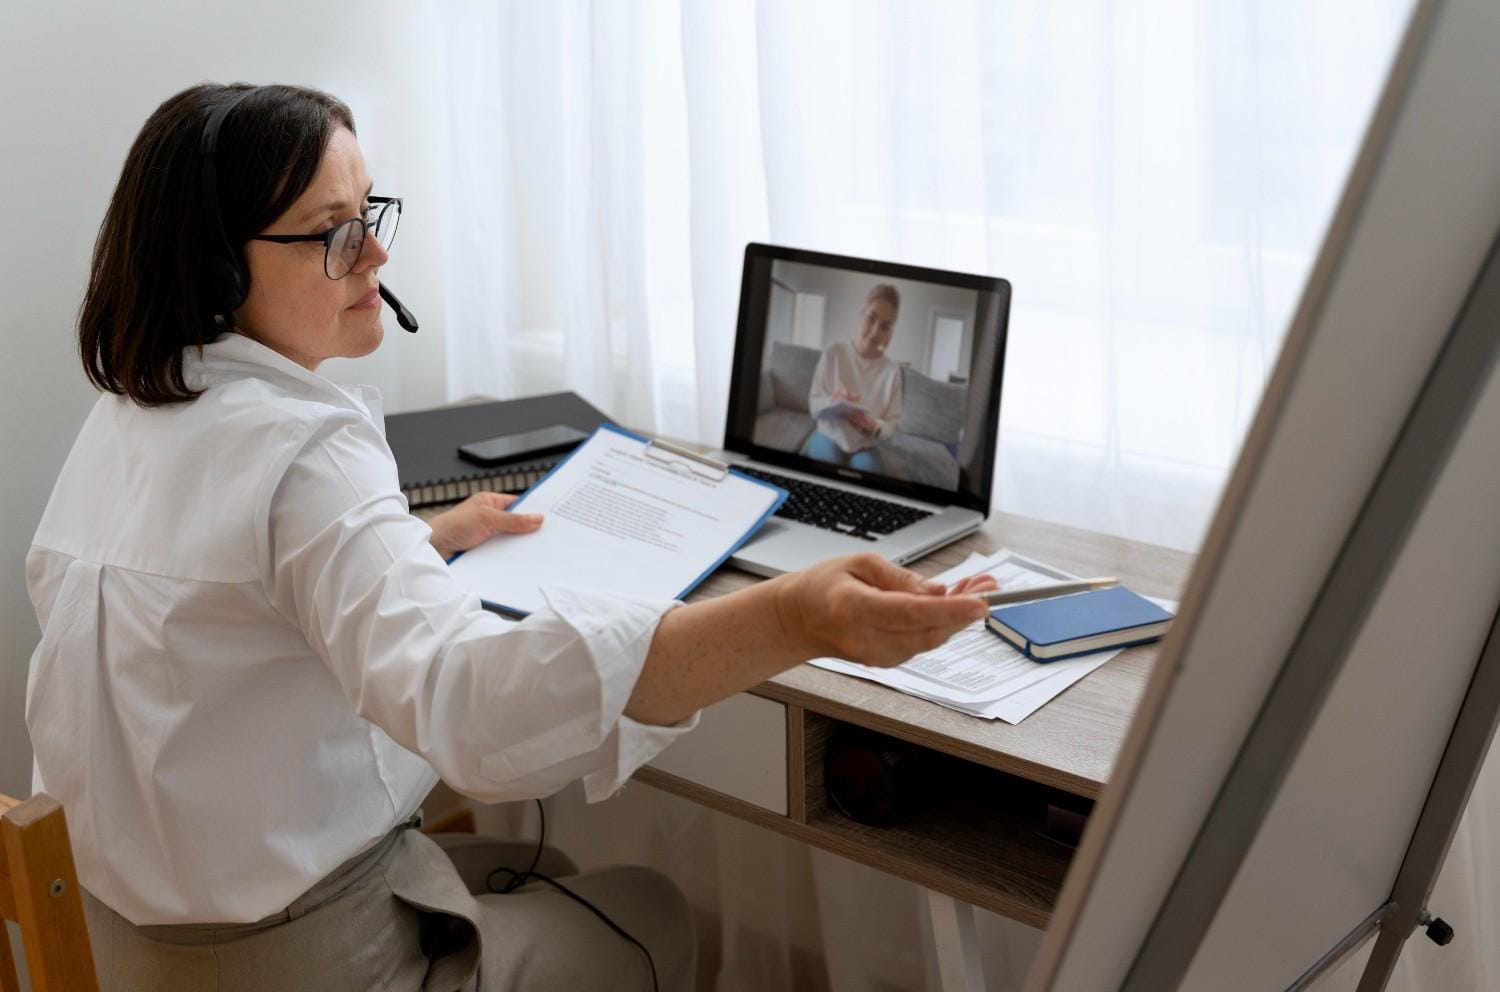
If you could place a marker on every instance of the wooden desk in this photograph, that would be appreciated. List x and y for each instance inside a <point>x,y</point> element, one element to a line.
<point>979,843</point>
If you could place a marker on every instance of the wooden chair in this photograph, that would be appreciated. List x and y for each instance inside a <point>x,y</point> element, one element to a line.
<point>39,890</point>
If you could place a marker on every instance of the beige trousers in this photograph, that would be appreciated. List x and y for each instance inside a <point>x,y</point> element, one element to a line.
<point>414,913</point>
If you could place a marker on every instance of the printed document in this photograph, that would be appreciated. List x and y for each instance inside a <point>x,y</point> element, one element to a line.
<point>620,514</point>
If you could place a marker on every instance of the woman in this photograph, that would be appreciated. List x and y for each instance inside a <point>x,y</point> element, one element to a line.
<point>856,391</point>
<point>254,662</point>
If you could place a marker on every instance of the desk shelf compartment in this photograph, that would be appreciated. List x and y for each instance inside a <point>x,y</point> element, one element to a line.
<point>736,754</point>
<point>977,837</point>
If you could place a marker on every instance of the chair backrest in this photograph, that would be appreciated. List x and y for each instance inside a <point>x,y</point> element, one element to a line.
<point>39,890</point>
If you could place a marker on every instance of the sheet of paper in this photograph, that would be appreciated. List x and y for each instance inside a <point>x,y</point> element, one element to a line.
<point>973,665</point>
<point>1019,705</point>
<point>842,408</point>
<point>618,518</point>
<point>977,672</point>
<point>1063,673</point>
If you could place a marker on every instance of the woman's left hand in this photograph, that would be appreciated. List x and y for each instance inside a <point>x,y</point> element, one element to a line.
<point>476,520</point>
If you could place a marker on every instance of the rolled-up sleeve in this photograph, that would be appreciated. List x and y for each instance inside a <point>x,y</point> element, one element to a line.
<point>501,710</point>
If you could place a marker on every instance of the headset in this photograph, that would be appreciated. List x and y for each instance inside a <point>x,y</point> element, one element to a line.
<point>226,282</point>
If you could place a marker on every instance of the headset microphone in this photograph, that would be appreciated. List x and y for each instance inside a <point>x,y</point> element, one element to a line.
<point>403,315</point>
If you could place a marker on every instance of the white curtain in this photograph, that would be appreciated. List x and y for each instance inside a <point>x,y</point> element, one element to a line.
<point>1153,178</point>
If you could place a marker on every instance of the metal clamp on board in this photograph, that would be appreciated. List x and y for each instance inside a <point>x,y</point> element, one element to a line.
<point>701,465</point>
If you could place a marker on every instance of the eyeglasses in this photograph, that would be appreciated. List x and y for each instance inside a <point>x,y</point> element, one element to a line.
<point>343,245</point>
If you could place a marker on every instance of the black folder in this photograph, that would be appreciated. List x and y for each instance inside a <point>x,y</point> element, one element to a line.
<point>426,442</point>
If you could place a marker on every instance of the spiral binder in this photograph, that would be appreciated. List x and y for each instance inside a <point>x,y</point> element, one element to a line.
<point>510,479</point>
<point>425,445</point>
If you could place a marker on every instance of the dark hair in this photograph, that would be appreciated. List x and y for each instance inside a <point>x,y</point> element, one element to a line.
<point>145,301</point>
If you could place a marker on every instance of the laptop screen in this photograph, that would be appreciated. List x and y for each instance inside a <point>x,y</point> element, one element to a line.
<point>884,374</point>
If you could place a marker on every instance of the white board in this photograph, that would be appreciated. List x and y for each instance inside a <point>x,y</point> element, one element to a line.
<point>1412,230</point>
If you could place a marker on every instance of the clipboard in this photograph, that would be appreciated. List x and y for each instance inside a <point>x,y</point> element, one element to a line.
<point>623,513</point>
<point>671,454</point>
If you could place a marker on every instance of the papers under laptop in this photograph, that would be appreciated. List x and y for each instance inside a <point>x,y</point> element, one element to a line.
<point>870,391</point>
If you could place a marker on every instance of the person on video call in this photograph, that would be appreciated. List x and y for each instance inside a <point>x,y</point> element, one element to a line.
<point>858,374</point>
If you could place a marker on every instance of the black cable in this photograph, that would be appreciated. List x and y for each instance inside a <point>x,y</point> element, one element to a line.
<point>609,922</point>
<point>518,879</point>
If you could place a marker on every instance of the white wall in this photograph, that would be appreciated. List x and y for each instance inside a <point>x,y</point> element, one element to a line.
<point>77,80</point>
<point>846,293</point>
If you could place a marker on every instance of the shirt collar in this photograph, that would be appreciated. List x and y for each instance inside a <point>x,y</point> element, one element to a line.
<point>238,355</point>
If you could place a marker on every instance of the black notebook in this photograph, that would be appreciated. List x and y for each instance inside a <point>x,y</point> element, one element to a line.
<point>426,442</point>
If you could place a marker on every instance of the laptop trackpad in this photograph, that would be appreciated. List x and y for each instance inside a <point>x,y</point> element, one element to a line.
<point>780,546</point>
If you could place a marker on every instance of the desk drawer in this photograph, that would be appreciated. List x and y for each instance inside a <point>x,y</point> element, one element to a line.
<point>738,748</point>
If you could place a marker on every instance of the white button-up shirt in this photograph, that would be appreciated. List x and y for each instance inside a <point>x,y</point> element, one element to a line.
<point>252,660</point>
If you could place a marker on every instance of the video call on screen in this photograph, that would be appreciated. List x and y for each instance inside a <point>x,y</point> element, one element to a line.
<point>868,372</point>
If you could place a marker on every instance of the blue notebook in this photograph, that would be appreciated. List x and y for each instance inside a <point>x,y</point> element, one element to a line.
<point>1049,629</point>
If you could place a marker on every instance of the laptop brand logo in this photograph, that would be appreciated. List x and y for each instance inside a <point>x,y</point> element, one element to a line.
<point>848,474</point>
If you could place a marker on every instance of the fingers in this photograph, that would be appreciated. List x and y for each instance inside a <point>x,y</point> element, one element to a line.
<point>901,600</point>
<point>870,610</point>
<point>904,611</point>
<point>499,501</point>
<point>491,510</point>
<point>975,583</point>
<point>895,611</point>
<point>505,522</point>
<point>884,574</point>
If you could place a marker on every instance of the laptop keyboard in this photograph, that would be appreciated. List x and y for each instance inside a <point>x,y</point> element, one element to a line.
<point>838,510</point>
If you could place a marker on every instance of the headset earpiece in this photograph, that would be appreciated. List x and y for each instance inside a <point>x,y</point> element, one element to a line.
<point>226,283</point>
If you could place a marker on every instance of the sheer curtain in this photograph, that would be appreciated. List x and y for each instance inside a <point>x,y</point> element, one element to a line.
<point>1154,179</point>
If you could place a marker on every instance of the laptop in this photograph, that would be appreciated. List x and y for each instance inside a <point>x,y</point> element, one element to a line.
<point>870,391</point>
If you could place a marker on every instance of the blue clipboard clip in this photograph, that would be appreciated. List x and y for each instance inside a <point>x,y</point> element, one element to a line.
<point>678,457</point>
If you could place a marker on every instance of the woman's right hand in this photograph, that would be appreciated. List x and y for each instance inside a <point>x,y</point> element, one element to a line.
<point>863,608</point>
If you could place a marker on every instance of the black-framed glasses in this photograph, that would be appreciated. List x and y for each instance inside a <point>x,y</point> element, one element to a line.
<point>343,245</point>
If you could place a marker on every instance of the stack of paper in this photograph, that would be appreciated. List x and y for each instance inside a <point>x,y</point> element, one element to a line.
<point>976,672</point>
<point>624,514</point>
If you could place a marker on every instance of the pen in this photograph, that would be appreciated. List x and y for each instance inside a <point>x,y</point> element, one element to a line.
<point>1003,597</point>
